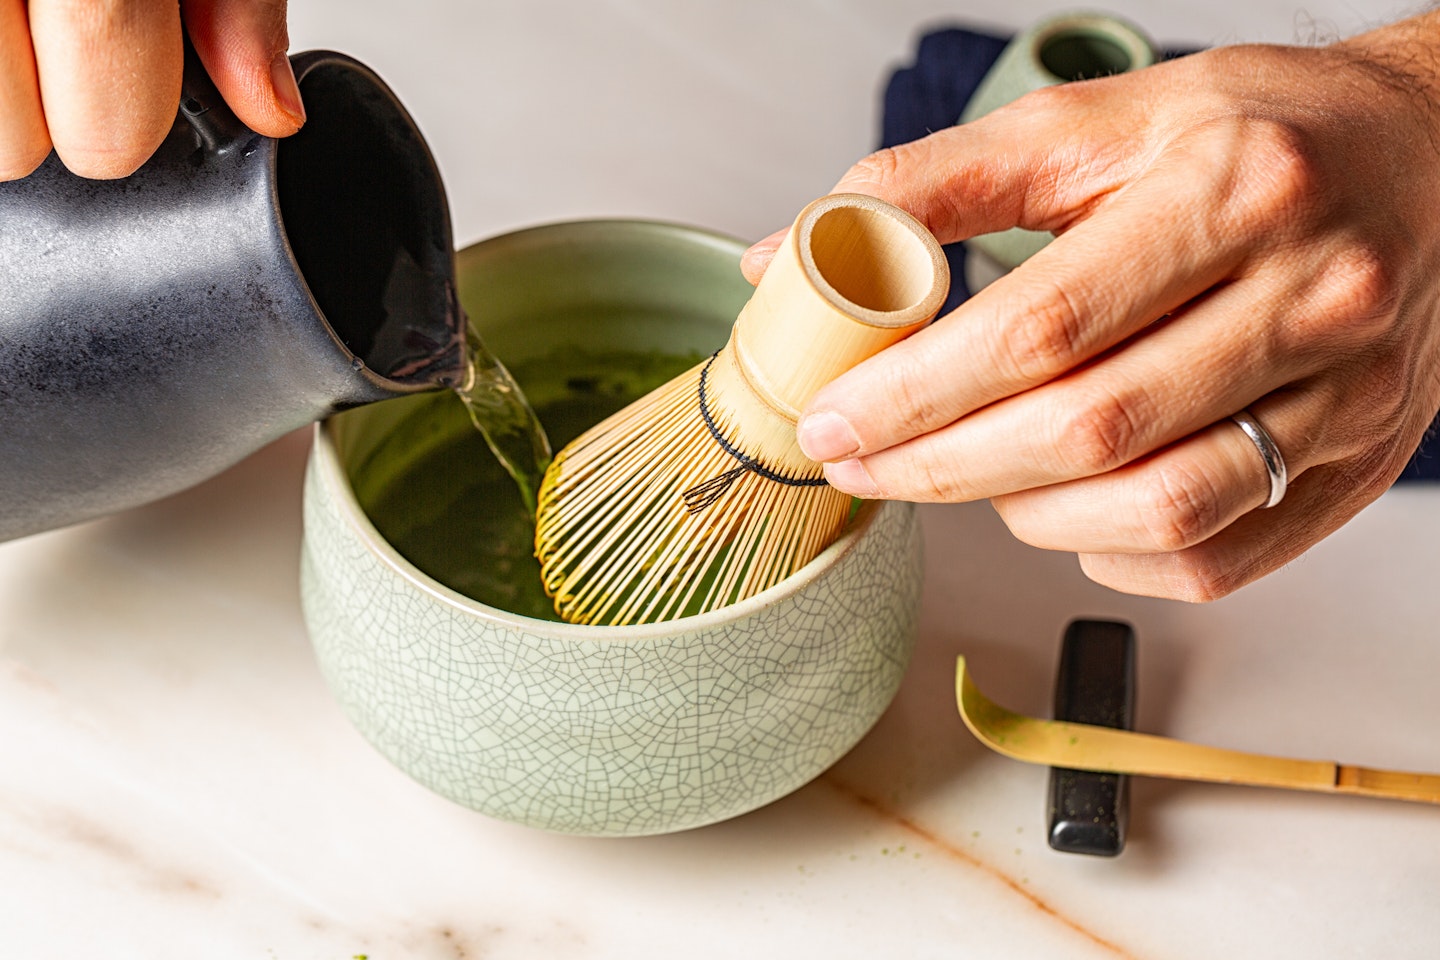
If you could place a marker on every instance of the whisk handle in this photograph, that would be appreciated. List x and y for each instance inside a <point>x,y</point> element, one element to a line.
<point>854,275</point>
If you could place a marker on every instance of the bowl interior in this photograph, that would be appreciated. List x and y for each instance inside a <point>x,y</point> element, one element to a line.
<point>588,316</point>
<point>611,731</point>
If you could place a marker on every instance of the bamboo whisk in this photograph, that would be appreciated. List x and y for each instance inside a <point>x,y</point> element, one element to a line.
<point>697,495</point>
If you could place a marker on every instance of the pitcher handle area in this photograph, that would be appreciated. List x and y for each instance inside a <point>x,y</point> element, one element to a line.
<point>205,110</point>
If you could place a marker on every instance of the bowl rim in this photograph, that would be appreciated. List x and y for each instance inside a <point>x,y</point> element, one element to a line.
<point>325,460</point>
<point>582,225</point>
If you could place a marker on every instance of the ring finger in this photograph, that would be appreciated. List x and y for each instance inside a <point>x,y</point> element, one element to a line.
<point>1178,496</point>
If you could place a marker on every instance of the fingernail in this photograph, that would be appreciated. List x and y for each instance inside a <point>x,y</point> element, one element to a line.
<point>826,436</point>
<point>287,91</point>
<point>756,260</point>
<point>851,477</point>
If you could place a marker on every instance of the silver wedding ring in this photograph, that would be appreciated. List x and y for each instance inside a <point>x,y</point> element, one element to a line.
<point>1269,452</point>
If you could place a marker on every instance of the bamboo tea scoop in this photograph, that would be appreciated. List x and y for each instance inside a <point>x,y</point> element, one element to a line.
<point>1080,746</point>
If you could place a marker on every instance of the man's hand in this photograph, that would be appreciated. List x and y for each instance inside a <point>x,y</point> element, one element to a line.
<point>1248,228</point>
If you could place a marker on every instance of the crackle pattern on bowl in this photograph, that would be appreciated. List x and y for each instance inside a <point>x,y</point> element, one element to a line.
<point>637,735</point>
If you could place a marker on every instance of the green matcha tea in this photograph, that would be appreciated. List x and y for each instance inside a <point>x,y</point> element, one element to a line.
<point>436,492</point>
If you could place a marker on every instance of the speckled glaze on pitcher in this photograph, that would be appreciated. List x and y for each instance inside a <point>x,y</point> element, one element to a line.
<point>156,329</point>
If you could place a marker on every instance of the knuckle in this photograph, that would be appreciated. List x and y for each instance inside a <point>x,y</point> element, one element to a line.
<point>929,481</point>
<point>912,176</point>
<point>1053,102</point>
<point>873,174</point>
<point>271,15</point>
<point>1372,471</point>
<point>1046,337</point>
<point>1179,507</point>
<point>1197,578</point>
<point>912,401</point>
<point>1190,576</point>
<point>933,485</point>
<point>1099,435</point>
<point>1358,291</point>
<point>1388,405</point>
<point>1281,180</point>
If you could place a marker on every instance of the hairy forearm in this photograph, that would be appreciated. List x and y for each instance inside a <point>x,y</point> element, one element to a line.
<point>1406,57</point>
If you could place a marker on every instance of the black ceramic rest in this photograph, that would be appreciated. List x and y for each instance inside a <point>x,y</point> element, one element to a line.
<point>1088,812</point>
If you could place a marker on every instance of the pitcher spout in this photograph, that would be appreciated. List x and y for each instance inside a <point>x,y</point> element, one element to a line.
<point>367,223</point>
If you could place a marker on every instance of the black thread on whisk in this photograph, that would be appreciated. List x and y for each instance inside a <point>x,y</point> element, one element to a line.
<point>702,495</point>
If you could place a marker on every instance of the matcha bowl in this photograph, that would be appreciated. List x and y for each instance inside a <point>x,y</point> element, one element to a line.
<point>609,731</point>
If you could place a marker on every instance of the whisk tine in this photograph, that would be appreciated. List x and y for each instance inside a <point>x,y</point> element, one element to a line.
<point>697,495</point>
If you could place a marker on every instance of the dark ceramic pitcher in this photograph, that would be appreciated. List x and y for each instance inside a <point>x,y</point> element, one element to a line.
<point>156,329</point>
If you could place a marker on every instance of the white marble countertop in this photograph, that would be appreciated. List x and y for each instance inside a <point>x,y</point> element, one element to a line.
<point>175,780</point>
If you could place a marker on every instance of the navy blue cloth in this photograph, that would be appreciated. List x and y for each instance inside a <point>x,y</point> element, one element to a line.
<point>931,94</point>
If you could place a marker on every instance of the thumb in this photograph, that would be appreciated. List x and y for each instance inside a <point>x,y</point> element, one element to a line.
<point>243,45</point>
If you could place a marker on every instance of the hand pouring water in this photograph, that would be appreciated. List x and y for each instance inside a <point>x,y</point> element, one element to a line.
<point>156,329</point>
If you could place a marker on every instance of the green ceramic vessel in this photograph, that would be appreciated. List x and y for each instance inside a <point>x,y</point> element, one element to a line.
<point>1070,46</point>
<point>608,731</point>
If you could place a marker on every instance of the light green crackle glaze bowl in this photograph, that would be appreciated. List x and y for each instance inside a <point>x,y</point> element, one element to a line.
<point>611,731</point>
